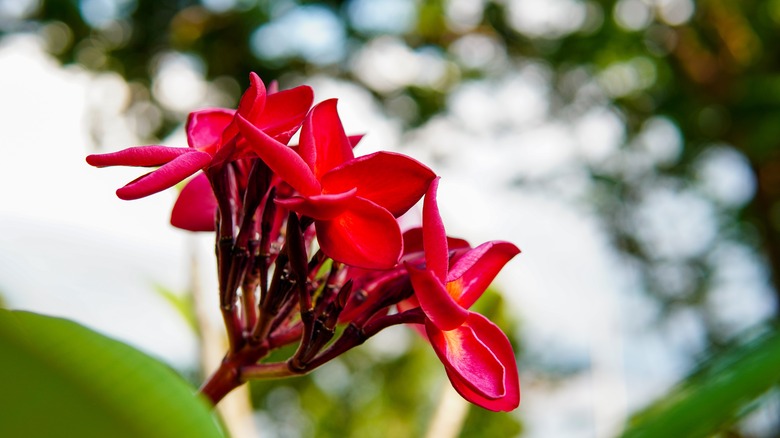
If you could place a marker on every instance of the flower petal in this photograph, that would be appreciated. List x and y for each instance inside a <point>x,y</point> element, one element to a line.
<point>140,156</point>
<point>319,207</point>
<point>474,271</point>
<point>393,181</point>
<point>409,304</point>
<point>364,236</point>
<point>497,343</point>
<point>253,101</point>
<point>196,207</point>
<point>204,128</point>
<point>354,140</point>
<point>441,308</point>
<point>166,176</point>
<point>284,112</point>
<point>374,290</point>
<point>413,241</point>
<point>250,106</point>
<point>434,237</point>
<point>465,354</point>
<point>280,158</point>
<point>324,144</point>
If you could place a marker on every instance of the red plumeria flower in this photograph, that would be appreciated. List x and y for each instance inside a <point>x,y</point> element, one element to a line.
<point>212,138</point>
<point>476,354</point>
<point>354,201</point>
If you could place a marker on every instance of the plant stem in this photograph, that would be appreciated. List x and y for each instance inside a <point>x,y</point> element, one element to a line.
<point>228,376</point>
<point>224,380</point>
<point>354,336</point>
<point>267,371</point>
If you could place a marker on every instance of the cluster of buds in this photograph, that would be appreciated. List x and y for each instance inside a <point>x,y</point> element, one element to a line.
<point>309,249</point>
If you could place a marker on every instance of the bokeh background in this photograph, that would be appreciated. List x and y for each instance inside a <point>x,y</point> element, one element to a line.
<point>630,148</point>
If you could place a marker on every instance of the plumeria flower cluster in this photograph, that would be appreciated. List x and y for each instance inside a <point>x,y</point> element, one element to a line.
<point>308,240</point>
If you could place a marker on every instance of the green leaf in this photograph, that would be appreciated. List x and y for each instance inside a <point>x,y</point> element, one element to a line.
<point>183,304</point>
<point>715,396</point>
<point>59,378</point>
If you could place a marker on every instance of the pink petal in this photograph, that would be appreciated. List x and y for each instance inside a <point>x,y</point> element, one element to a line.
<point>496,341</point>
<point>166,176</point>
<point>413,241</point>
<point>501,404</point>
<point>367,295</point>
<point>323,144</point>
<point>434,237</point>
<point>319,207</point>
<point>474,271</point>
<point>444,312</point>
<point>281,159</point>
<point>418,328</point>
<point>250,106</point>
<point>409,304</point>
<point>196,207</point>
<point>205,128</point>
<point>354,140</point>
<point>227,150</point>
<point>393,181</point>
<point>253,101</point>
<point>365,236</point>
<point>284,112</point>
<point>143,156</point>
<point>464,353</point>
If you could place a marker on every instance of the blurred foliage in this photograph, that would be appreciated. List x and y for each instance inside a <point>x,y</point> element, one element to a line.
<point>182,303</point>
<point>65,379</point>
<point>716,395</point>
<point>703,74</point>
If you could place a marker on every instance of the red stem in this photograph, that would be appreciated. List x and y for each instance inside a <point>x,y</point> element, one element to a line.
<point>228,376</point>
<point>225,379</point>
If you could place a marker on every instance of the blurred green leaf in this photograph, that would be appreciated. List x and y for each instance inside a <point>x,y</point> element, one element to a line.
<point>481,423</point>
<point>715,396</point>
<point>59,378</point>
<point>182,303</point>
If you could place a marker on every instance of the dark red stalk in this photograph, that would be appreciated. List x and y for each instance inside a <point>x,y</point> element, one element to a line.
<point>228,376</point>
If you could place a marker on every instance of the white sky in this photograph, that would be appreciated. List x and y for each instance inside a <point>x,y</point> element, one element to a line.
<point>69,247</point>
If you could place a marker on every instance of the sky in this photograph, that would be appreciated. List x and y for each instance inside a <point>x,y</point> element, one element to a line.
<point>70,247</point>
